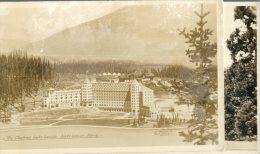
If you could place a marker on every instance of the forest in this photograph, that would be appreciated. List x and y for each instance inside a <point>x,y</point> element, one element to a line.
<point>20,76</point>
<point>241,79</point>
<point>123,67</point>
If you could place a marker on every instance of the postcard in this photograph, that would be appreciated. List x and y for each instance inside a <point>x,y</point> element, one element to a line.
<point>114,75</point>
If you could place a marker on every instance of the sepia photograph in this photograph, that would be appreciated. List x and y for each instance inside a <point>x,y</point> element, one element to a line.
<point>240,62</point>
<point>113,74</point>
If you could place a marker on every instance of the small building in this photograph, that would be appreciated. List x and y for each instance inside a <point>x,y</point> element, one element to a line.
<point>137,76</point>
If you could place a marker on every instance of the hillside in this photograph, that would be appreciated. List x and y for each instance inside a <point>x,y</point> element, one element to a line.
<point>145,33</point>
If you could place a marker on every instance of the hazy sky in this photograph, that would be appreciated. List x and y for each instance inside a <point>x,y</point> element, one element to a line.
<point>32,21</point>
<point>229,26</point>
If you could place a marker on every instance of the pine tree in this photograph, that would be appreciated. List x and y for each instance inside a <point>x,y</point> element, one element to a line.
<point>241,78</point>
<point>20,76</point>
<point>203,126</point>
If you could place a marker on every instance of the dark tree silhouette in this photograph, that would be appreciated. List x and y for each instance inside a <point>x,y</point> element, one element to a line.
<point>20,76</point>
<point>112,66</point>
<point>241,78</point>
<point>174,71</point>
<point>203,126</point>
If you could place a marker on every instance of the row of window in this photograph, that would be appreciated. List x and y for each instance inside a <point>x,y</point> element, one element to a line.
<point>64,92</point>
<point>64,97</point>
<point>111,99</point>
<point>111,92</point>
<point>67,101</point>
<point>113,103</point>
<point>113,109</point>
<point>64,105</point>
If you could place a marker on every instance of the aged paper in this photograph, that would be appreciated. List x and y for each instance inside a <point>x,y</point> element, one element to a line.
<point>111,76</point>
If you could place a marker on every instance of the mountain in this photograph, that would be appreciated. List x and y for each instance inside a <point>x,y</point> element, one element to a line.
<point>143,33</point>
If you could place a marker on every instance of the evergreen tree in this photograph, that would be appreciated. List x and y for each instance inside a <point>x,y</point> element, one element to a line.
<point>203,126</point>
<point>241,78</point>
<point>21,76</point>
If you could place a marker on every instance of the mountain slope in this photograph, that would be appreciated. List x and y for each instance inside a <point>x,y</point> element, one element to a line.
<point>144,33</point>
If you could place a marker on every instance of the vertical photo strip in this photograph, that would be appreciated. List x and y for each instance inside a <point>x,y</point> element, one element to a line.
<point>240,77</point>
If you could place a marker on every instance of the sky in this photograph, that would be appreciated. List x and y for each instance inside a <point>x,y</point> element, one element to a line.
<point>33,21</point>
<point>229,26</point>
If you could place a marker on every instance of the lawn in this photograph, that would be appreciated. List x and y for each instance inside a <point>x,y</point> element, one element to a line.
<point>45,122</point>
<point>56,113</point>
<point>96,122</point>
<point>101,114</point>
<point>47,115</point>
<point>74,116</point>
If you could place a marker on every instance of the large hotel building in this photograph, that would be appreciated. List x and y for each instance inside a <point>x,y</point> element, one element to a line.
<point>129,96</point>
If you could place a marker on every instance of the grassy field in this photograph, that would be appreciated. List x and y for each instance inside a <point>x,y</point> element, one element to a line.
<point>46,116</point>
<point>99,114</point>
<point>56,113</point>
<point>44,122</point>
<point>95,122</point>
<point>75,116</point>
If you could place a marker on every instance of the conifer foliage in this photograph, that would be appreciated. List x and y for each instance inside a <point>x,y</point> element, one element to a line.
<point>241,78</point>
<point>203,127</point>
<point>20,76</point>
